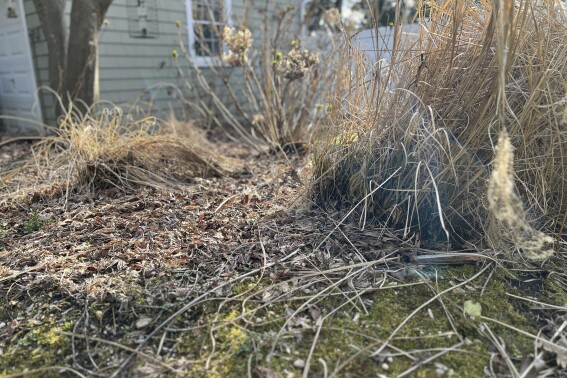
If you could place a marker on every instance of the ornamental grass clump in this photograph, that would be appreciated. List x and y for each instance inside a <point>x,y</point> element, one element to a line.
<point>413,140</point>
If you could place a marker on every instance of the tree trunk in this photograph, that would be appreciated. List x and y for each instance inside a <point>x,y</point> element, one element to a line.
<point>52,23</point>
<point>87,17</point>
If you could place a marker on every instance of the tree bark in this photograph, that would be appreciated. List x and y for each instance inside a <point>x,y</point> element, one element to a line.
<point>52,23</point>
<point>87,17</point>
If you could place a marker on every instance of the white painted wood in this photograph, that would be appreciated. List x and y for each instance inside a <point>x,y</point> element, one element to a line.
<point>201,61</point>
<point>18,88</point>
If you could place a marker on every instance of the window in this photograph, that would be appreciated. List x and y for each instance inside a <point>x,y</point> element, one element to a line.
<point>205,21</point>
<point>312,13</point>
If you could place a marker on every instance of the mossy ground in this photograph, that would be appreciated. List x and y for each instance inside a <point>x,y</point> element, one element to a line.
<point>231,336</point>
<point>346,341</point>
<point>38,341</point>
<point>258,325</point>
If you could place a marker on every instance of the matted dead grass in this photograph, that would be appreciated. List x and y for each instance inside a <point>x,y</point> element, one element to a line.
<point>110,149</point>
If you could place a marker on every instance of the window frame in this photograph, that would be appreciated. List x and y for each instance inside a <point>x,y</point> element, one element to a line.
<point>204,61</point>
<point>303,15</point>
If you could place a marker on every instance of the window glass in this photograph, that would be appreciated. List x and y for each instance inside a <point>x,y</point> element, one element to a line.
<point>207,26</point>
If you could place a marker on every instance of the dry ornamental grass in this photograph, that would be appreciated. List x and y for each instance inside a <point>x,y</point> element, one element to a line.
<point>414,144</point>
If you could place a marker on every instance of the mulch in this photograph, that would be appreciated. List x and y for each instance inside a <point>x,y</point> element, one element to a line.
<point>86,238</point>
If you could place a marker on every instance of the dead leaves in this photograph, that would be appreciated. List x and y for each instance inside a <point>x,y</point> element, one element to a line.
<point>97,242</point>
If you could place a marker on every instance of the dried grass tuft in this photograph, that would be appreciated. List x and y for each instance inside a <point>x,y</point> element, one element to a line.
<point>95,151</point>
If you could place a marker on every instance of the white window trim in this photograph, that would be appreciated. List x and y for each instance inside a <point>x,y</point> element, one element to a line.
<point>204,61</point>
<point>303,14</point>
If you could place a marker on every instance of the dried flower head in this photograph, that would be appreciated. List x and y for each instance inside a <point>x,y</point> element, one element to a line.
<point>332,17</point>
<point>235,60</point>
<point>295,64</point>
<point>238,42</point>
<point>303,57</point>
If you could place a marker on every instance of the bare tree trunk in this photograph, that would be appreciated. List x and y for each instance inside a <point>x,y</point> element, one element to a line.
<point>52,23</point>
<point>87,17</point>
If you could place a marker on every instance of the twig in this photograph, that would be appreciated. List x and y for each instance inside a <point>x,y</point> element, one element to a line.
<point>502,350</point>
<point>428,360</point>
<point>226,200</point>
<point>531,335</point>
<point>187,307</point>
<point>306,369</point>
<point>547,305</point>
<point>118,345</point>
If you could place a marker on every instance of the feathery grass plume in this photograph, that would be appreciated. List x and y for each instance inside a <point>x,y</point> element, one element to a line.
<point>507,208</point>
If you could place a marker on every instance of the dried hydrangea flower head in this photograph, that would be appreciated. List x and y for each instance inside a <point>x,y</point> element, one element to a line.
<point>295,64</point>
<point>332,17</point>
<point>238,42</point>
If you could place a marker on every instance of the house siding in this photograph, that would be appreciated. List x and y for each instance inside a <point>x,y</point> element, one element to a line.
<point>39,50</point>
<point>142,69</point>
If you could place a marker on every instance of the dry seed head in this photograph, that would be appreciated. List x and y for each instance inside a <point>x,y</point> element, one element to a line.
<point>507,207</point>
<point>235,60</point>
<point>304,57</point>
<point>238,42</point>
<point>4,271</point>
<point>258,119</point>
<point>295,64</point>
<point>332,17</point>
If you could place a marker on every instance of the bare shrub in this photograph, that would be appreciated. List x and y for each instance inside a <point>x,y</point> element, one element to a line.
<point>275,89</point>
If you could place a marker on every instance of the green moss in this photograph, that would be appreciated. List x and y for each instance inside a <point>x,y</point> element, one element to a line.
<point>554,293</point>
<point>39,345</point>
<point>232,344</point>
<point>222,340</point>
<point>348,339</point>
